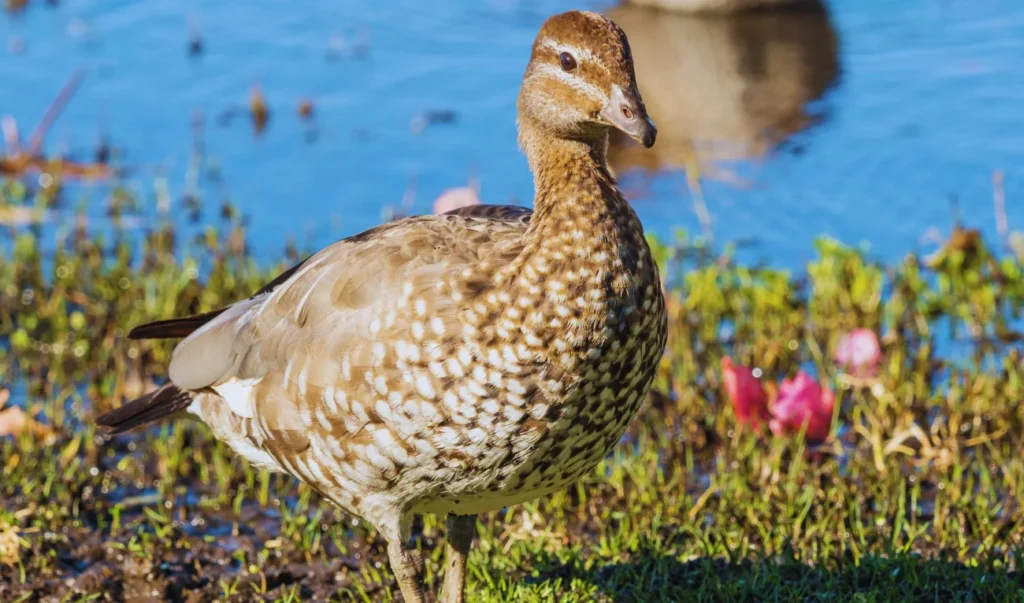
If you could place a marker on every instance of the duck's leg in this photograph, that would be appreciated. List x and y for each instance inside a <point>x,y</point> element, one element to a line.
<point>407,567</point>
<point>460,538</point>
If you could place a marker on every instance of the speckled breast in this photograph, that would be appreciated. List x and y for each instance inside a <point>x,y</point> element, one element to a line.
<point>557,418</point>
<point>612,381</point>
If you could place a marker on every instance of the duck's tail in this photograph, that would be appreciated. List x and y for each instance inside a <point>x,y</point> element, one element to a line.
<point>156,405</point>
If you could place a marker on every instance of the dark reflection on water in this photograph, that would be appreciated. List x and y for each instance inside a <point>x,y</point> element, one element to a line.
<point>725,88</point>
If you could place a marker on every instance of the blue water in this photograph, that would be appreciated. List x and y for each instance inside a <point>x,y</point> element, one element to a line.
<point>885,111</point>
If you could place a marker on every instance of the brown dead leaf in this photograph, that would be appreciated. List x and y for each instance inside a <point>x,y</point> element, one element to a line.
<point>12,421</point>
<point>258,108</point>
<point>15,420</point>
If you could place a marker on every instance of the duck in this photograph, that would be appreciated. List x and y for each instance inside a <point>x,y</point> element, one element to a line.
<point>451,364</point>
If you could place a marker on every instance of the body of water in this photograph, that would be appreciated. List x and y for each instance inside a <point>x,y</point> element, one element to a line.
<point>864,120</point>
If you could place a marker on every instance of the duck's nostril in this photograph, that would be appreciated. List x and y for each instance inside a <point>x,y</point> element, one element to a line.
<point>627,113</point>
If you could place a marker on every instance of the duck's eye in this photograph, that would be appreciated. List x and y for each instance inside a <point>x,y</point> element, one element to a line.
<point>568,61</point>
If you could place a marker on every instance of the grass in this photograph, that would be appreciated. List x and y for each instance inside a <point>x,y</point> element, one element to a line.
<point>915,497</point>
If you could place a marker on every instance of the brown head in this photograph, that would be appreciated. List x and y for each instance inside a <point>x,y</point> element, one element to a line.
<point>580,82</point>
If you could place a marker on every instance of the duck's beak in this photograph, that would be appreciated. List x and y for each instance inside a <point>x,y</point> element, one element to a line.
<point>626,112</point>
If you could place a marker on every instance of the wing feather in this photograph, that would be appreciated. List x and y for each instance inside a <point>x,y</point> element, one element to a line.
<point>335,295</point>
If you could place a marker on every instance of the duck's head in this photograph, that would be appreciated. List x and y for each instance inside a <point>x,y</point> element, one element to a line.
<point>580,82</point>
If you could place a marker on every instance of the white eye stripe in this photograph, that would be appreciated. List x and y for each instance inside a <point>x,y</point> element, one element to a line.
<point>580,54</point>
<point>570,79</point>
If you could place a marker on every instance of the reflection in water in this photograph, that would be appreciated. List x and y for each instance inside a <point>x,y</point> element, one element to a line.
<point>724,88</point>
<point>709,6</point>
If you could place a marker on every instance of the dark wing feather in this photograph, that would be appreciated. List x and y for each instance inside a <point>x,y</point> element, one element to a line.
<point>148,408</point>
<point>494,212</point>
<point>173,328</point>
<point>280,278</point>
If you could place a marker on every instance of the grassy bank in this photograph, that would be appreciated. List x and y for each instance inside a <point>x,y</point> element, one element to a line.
<point>915,496</point>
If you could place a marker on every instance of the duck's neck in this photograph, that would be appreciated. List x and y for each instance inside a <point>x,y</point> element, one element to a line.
<point>580,219</point>
<point>561,166</point>
<point>572,184</point>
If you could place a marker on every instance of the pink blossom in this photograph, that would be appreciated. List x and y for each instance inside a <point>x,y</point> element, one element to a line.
<point>749,401</point>
<point>454,198</point>
<point>802,400</point>
<point>859,352</point>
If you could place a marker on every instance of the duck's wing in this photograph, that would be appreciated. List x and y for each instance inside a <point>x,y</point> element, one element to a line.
<point>174,328</point>
<point>328,315</point>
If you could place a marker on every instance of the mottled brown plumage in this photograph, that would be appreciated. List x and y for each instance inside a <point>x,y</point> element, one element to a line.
<point>453,364</point>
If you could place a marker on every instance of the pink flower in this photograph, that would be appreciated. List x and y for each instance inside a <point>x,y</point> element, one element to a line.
<point>802,400</point>
<point>859,352</point>
<point>748,398</point>
<point>454,198</point>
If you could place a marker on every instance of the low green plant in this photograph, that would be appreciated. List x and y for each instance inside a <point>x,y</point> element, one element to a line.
<point>915,495</point>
